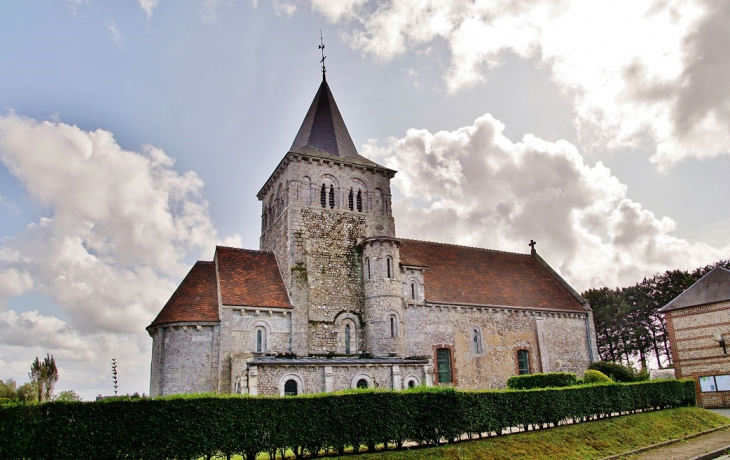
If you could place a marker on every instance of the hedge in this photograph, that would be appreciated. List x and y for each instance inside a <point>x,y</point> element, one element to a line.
<point>615,371</point>
<point>592,376</point>
<point>550,379</point>
<point>203,426</point>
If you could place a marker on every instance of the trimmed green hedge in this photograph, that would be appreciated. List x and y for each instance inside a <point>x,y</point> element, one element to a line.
<point>547,380</point>
<point>592,376</point>
<point>615,371</point>
<point>194,427</point>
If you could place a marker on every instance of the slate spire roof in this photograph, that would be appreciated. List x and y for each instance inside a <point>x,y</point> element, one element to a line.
<point>323,128</point>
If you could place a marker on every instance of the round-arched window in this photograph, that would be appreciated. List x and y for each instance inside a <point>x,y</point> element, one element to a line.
<point>411,384</point>
<point>290,388</point>
<point>362,383</point>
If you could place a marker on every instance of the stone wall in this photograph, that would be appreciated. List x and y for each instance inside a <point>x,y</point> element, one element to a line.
<point>184,359</point>
<point>314,377</point>
<point>502,332</point>
<point>238,326</point>
<point>695,349</point>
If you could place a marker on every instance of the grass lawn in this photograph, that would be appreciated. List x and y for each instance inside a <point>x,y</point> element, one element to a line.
<point>589,440</point>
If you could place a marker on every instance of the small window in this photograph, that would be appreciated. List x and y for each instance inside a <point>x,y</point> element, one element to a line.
<point>347,339</point>
<point>367,268</point>
<point>290,388</point>
<point>359,201</point>
<point>476,341</point>
<point>443,365</point>
<point>523,362</point>
<point>389,265</point>
<point>323,196</point>
<point>349,200</point>
<point>413,290</point>
<point>393,327</point>
<point>411,384</point>
<point>362,383</point>
<point>332,196</point>
<point>260,340</point>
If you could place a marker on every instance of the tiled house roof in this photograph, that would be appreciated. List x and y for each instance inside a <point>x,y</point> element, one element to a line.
<point>465,275</point>
<point>250,278</point>
<point>247,278</point>
<point>195,300</point>
<point>711,288</point>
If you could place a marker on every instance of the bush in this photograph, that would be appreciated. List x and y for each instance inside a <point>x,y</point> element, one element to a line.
<point>615,371</point>
<point>592,376</point>
<point>205,426</point>
<point>551,379</point>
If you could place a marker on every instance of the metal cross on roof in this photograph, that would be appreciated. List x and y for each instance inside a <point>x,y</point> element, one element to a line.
<point>321,47</point>
<point>532,244</point>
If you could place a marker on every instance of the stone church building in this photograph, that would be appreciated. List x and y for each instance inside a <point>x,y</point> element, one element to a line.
<point>334,300</point>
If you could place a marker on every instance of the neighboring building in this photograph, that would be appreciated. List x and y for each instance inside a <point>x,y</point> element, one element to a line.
<point>698,321</point>
<point>334,300</point>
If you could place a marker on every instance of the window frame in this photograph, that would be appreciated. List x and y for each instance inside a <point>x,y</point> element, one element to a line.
<point>523,357</point>
<point>444,366</point>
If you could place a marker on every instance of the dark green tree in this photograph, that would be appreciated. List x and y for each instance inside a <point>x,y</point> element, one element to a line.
<point>44,374</point>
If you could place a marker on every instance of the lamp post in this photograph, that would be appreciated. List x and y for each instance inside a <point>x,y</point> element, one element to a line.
<point>721,340</point>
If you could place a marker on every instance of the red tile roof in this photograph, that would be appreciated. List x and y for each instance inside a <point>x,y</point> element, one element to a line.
<point>465,275</point>
<point>250,278</point>
<point>195,300</point>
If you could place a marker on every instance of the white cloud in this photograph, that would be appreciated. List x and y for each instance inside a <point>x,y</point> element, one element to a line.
<point>481,189</point>
<point>284,7</point>
<point>148,6</point>
<point>114,33</point>
<point>120,231</point>
<point>633,68</point>
<point>209,9</point>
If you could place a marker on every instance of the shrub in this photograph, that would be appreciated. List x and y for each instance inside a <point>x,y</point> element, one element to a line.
<point>592,376</point>
<point>551,379</point>
<point>615,371</point>
<point>206,426</point>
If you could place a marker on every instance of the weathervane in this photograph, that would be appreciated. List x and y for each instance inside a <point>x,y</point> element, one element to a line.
<point>321,47</point>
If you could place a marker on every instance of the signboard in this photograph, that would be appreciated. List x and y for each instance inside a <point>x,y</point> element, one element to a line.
<point>707,384</point>
<point>723,382</point>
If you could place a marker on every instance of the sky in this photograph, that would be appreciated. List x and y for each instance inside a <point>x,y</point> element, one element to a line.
<point>135,135</point>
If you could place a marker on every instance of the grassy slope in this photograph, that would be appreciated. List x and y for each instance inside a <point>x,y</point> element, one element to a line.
<point>583,441</point>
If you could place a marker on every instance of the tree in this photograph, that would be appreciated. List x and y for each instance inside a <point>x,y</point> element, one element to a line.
<point>114,375</point>
<point>68,396</point>
<point>44,374</point>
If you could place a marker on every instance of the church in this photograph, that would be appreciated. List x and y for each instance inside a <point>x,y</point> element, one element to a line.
<point>334,300</point>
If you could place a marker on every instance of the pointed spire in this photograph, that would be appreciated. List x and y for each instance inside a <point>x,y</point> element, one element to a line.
<point>323,128</point>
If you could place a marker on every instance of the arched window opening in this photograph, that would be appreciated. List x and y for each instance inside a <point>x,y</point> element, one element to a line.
<point>393,327</point>
<point>367,268</point>
<point>332,196</point>
<point>347,339</point>
<point>523,362</point>
<point>413,290</point>
<point>443,365</point>
<point>476,341</point>
<point>349,200</point>
<point>411,384</point>
<point>323,196</point>
<point>359,201</point>
<point>260,336</point>
<point>362,383</point>
<point>290,388</point>
<point>389,266</point>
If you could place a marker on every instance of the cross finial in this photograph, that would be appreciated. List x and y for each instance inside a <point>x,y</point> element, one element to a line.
<point>532,245</point>
<point>321,47</point>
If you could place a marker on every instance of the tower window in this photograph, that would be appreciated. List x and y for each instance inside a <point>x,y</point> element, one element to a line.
<point>290,388</point>
<point>323,196</point>
<point>367,268</point>
<point>393,327</point>
<point>349,200</point>
<point>443,365</point>
<point>359,201</point>
<point>413,290</point>
<point>347,339</point>
<point>332,196</point>
<point>389,267</point>
<point>523,362</point>
<point>260,346</point>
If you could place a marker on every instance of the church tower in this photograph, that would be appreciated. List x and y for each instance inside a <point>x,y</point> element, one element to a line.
<point>322,201</point>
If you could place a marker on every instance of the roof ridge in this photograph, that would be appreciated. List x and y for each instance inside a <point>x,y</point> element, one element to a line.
<point>204,262</point>
<point>242,249</point>
<point>468,247</point>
